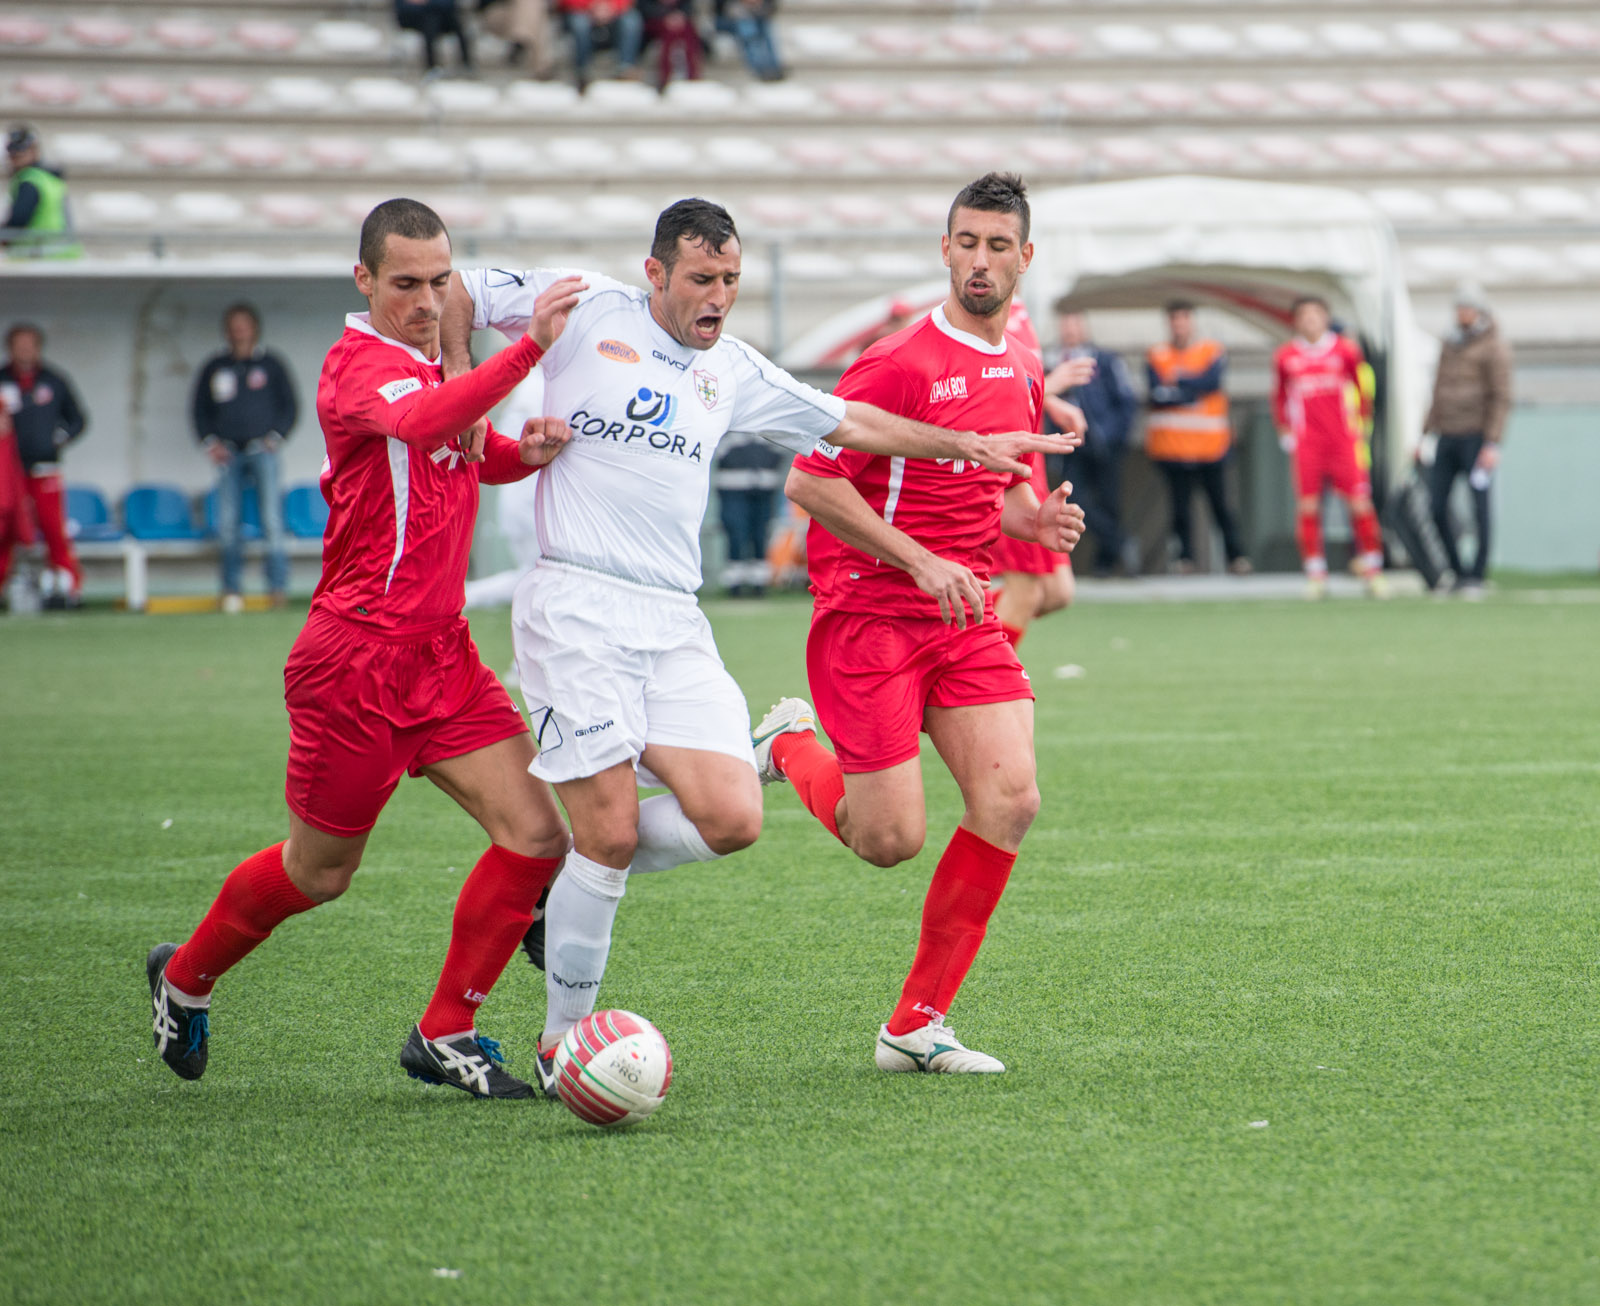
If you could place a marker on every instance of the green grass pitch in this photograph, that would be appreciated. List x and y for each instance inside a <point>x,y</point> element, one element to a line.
<point>1296,978</point>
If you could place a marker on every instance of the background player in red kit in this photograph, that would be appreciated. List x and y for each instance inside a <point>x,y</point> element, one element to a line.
<point>1313,373</point>
<point>899,555</point>
<point>384,678</point>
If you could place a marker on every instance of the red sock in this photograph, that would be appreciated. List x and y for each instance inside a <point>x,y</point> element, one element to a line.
<point>1013,634</point>
<point>256,897</point>
<point>966,888</point>
<point>1368,537</point>
<point>1308,529</point>
<point>493,912</point>
<point>814,772</point>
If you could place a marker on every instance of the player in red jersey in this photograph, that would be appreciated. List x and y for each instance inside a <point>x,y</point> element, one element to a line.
<point>384,679</point>
<point>1312,376</point>
<point>1035,581</point>
<point>899,555</point>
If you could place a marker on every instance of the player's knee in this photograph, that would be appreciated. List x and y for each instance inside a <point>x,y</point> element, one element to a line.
<point>611,847</point>
<point>887,847</point>
<point>730,831</point>
<point>535,838</point>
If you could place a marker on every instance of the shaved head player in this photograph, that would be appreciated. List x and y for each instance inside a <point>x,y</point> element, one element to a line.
<point>384,679</point>
<point>889,657</point>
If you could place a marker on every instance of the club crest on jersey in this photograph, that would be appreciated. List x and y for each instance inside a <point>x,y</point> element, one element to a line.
<point>949,387</point>
<point>653,407</point>
<point>617,352</point>
<point>705,388</point>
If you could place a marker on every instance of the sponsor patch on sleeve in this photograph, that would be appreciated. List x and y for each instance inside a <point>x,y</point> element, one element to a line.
<point>829,451</point>
<point>399,389</point>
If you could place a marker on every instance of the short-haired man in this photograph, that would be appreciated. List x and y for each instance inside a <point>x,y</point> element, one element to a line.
<point>889,656</point>
<point>619,670</point>
<point>1188,434</point>
<point>1313,374</point>
<point>46,416</point>
<point>384,679</point>
<point>244,408</point>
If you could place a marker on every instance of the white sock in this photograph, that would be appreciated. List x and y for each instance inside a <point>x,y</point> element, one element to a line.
<point>194,1001</point>
<point>577,939</point>
<point>667,838</point>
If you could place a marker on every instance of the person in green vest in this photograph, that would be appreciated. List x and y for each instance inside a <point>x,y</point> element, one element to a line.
<point>38,202</point>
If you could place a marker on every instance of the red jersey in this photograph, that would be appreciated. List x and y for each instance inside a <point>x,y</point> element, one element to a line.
<point>1310,380</point>
<point>930,372</point>
<point>402,502</point>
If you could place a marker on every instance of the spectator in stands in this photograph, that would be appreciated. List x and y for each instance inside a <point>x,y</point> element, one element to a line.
<point>747,477</point>
<point>750,23</point>
<point>45,416</point>
<point>525,24</point>
<point>617,21</point>
<point>1109,405</point>
<point>433,19</point>
<point>38,201</point>
<point>670,23</point>
<point>1188,434</point>
<point>1471,397</point>
<point>244,407</point>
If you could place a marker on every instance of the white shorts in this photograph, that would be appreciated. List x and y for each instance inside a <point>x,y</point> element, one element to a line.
<point>609,666</point>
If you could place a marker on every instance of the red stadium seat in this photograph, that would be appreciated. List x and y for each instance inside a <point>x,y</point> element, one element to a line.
<point>135,92</point>
<point>975,40</point>
<point>282,209</point>
<point>899,153</point>
<point>1209,152</point>
<point>1512,148</point>
<point>783,212</point>
<point>859,99</point>
<point>20,30</point>
<point>1129,153</point>
<point>1055,153</point>
<point>1581,147</point>
<point>817,154</point>
<point>338,153</point>
<point>1436,149</point>
<point>1360,151</point>
<point>926,210</point>
<point>980,154</point>
<point>1284,151</point>
<point>184,34</point>
<point>1394,96</point>
<point>1591,87</point>
<point>1465,93</point>
<point>218,92</point>
<point>463,212</point>
<point>1165,97</point>
<point>266,37</point>
<point>897,42</point>
<point>255,152</point>
<point>1572,36</point>
<point>49,90</point>
<point>1050,42</point>
<point>100,33</point>
<point>858,211</point>
<point>935,97</point>
<point>1542,93</point>
<point>1089,98</point>
<point>1502,38</point>
<point>1243,97</point>
<point>170,150</point>
<point>1015,99</point>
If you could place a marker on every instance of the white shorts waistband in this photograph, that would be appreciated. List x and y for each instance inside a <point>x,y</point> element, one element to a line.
<point>621,582</point>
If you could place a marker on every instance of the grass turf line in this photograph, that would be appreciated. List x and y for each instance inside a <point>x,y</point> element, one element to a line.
<point>1327,866</point>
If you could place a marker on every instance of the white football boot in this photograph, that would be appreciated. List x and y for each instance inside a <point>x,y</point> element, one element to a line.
<point>788,716</point>
<point>933,1049</point>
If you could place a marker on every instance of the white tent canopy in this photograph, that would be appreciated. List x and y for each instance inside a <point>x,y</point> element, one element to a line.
<point>1244,247</point>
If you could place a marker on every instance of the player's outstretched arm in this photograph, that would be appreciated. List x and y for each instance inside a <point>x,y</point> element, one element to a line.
<point>838,507</point>
<point>874,431</point>
<point>1057,523</point>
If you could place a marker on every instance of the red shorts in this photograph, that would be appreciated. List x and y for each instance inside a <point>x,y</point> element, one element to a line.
<point>1026,557</point>
<point>367,708</point>
<point>1324,461</point>
<point>872,677</point>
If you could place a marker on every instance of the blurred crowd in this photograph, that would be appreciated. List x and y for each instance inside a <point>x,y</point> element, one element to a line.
<point>655,40</point>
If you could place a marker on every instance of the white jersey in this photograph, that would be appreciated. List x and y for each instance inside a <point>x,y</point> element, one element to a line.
<point>627,496</point>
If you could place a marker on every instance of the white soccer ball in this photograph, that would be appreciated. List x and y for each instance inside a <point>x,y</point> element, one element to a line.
<point>613,1068</point>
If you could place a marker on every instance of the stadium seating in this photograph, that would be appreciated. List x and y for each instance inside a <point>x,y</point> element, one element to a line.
<point>88,516</point>
<point>158,512</point>
<point>305,512</point>
<point>249,513</point>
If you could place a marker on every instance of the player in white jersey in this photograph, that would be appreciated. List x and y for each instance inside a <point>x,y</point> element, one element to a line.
<point>619,670</point>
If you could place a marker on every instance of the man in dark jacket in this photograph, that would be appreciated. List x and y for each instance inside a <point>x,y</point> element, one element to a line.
<point>244,408</point>
<point>44,416</point>
<point>1109,405</point>
<point>1471,397</point>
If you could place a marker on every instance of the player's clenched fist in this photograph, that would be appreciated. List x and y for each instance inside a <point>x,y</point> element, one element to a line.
<point>542,439</point>
<point>552,308</point>
<point>1059,525</point>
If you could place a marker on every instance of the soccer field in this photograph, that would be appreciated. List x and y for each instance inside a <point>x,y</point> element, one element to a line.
<point>1296,978</point>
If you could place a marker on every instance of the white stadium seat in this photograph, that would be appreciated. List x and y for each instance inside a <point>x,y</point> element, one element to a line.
<point>1279,39</point>
<point>975,41</point>
<point>541,98</point>
<point>338,153</point>
<point>935,97</point>
<point>49,90</point>
<point>816,265</point>
<point>100,33</point>
<point>218,92</point>
<point>1203,38</point>
<point>1394,96</point>
<point>1355,38</point>
<point>1478,203</point>
<point>1165,97</point>
<point>1211,153</point>
<point>782,212</point>
<point>87,150</point>
<point>132,92</point>
<point>184,34</point>
<point>979,154</point>
<point>898,266</point>
<point>815,41</point>
<point>788,99</point>
<point>421,154</point>
<point>255,151</point>
<point>1429,37</point>
<point>21,30</point>
<point>1055,153</point>
<point>301,94</point>
<point>1584,257</point>
<point>1050,42</point>
<point>1129,153</point>
<point>505,155</point>
<point>266,37</point>
<point>1591,87</point>
<point>1573,36</point>
<point>1556,202</point>
<point>381,94</point>
<point>669,154</point>
<point>206,209</point>
<point>535,214</point>
<point>286,209</point>
<point>1438,264</point>
<point>1543,93</point>
<point>741,154</point>
<point>171,150</point>
<point>897,153</point>
<point>347,38</point>
<point>110,209</point>
<point>1513,263</point>
<point>1501,38</point>
<point>586,155</point>
<point>1437,149</point>
<point>612,95</point>
<point>1512,148</point>
<point>927,210</point>
<point>1242,97</point>
<point>620,213</point>
<point>701,97</point>
<point>462,212</point>
<point>1128,40</point>
<point>1467,93</point>
<point>1402,204</point>
<point>469,99</point>
<point>353,206</point>
<point>1319,97</point>
<point>858,211</point>
<point>817,154</point>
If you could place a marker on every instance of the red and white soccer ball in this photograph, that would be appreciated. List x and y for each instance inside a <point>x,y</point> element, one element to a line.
<point>613,1068</point>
